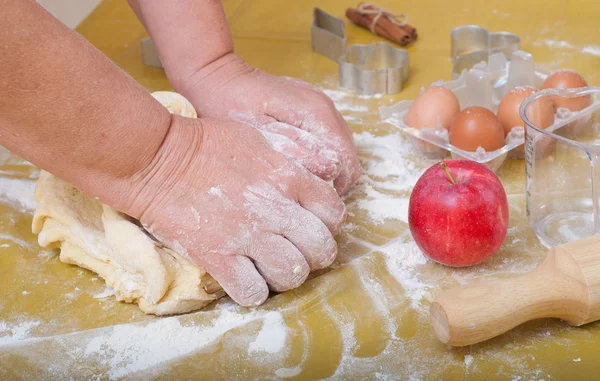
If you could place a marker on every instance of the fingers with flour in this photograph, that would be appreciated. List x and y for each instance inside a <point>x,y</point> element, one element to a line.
<point>306,139</point>
<point>321,199</point>
<point>310,235</point>
<point>238,277</point>
<point>315,113</point>
<point>338,131</point>
<point>316,164</point>
<point>280,263</point>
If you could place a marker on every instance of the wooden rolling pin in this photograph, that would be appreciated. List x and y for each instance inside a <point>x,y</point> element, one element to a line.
<point>565,285</point>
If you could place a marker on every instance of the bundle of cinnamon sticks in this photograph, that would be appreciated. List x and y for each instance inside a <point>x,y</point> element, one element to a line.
<point>382,22</point>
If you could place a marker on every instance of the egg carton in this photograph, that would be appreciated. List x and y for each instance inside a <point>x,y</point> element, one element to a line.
<point>567,123</point>
<point>484,85</point>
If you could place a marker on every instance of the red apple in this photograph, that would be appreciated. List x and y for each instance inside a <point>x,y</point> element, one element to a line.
<point>458,213</point>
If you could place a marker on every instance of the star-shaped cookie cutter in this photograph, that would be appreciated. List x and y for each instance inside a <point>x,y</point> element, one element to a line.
<point>472,44</point>
<point>377,68</point>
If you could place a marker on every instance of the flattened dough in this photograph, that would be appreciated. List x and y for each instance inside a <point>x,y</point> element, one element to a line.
<point>96,237</point>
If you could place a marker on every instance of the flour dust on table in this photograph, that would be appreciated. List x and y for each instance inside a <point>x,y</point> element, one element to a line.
<point>379,290</point>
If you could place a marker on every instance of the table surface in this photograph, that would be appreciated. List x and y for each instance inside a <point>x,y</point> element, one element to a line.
<point>366,318</point>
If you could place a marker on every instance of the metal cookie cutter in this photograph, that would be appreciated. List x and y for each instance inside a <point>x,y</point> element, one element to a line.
<point>327,35</point>
<point>149,53</point>
<point>472,44</point>
<point>377,68</point>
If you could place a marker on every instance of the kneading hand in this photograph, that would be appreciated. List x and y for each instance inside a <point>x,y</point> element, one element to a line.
<point>253,219</point>
<point>298,119</point>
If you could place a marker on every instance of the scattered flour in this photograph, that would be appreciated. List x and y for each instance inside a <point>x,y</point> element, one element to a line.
<point>18,241</point>
<point>216,191</point>
<point>130,348</point>
<point>374,96</point>
<point>388,169</point>
<point>591,49</point>
<point>71,295</point>
<point>19,193</point>
<point>577,359</point>
<point>346,325</point>
<point>345,101</point>
<point>288,372</point>
<point>468,360</point>
<point>389,176</point>
<point>104,294</point>
<point>11,334</point>
<point>271,338</point>
<point>403,261</point>
<point>390,159</point>
<point>556,44</point>
<point>381,207</point>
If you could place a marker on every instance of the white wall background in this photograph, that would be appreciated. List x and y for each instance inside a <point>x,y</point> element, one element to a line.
<point>70,12</point>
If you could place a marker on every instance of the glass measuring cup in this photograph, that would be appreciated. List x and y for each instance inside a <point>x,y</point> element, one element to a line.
<point>563,164</point>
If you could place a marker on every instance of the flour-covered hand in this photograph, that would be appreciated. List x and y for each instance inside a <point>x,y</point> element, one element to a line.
<point>297,118</point>
<point>252,218</point>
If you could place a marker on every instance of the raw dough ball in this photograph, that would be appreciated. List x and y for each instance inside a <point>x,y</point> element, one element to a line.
<point>175,103</point>
<point>100,239</point>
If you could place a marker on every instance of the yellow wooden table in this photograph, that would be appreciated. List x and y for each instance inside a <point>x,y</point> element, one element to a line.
<point>364,319</point>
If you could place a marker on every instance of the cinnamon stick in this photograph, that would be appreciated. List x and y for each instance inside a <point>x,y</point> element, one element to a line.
<point>401,35</point>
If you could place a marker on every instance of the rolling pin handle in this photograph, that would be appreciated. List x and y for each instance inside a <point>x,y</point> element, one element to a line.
<point>479,311</point>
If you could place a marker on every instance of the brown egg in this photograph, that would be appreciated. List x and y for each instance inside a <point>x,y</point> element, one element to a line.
<point>568,79</point>
<point>433,108</point>
<point>541,113</point>
<point>476,127</point>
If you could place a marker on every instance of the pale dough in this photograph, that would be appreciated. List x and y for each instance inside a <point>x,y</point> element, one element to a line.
<point>175,103</point>
<point>96,237</point>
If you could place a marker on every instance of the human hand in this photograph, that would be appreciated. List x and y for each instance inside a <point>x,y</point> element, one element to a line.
<point>298,119</point>
<point>253,219</point>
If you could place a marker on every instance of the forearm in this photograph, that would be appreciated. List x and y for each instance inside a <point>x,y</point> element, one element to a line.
<point>66,108</point>
<point>188,34</point>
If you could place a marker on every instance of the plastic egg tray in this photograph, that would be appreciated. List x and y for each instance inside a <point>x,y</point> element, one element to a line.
<point>484,85</point>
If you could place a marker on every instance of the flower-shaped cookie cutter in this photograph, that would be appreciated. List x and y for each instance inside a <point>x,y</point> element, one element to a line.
<point>472,44</point>
<point>377,68</point>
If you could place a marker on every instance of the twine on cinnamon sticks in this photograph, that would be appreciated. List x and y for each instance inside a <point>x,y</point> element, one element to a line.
<point>392,26</point>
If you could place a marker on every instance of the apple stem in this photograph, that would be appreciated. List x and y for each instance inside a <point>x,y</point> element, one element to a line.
<point>445,168</point>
